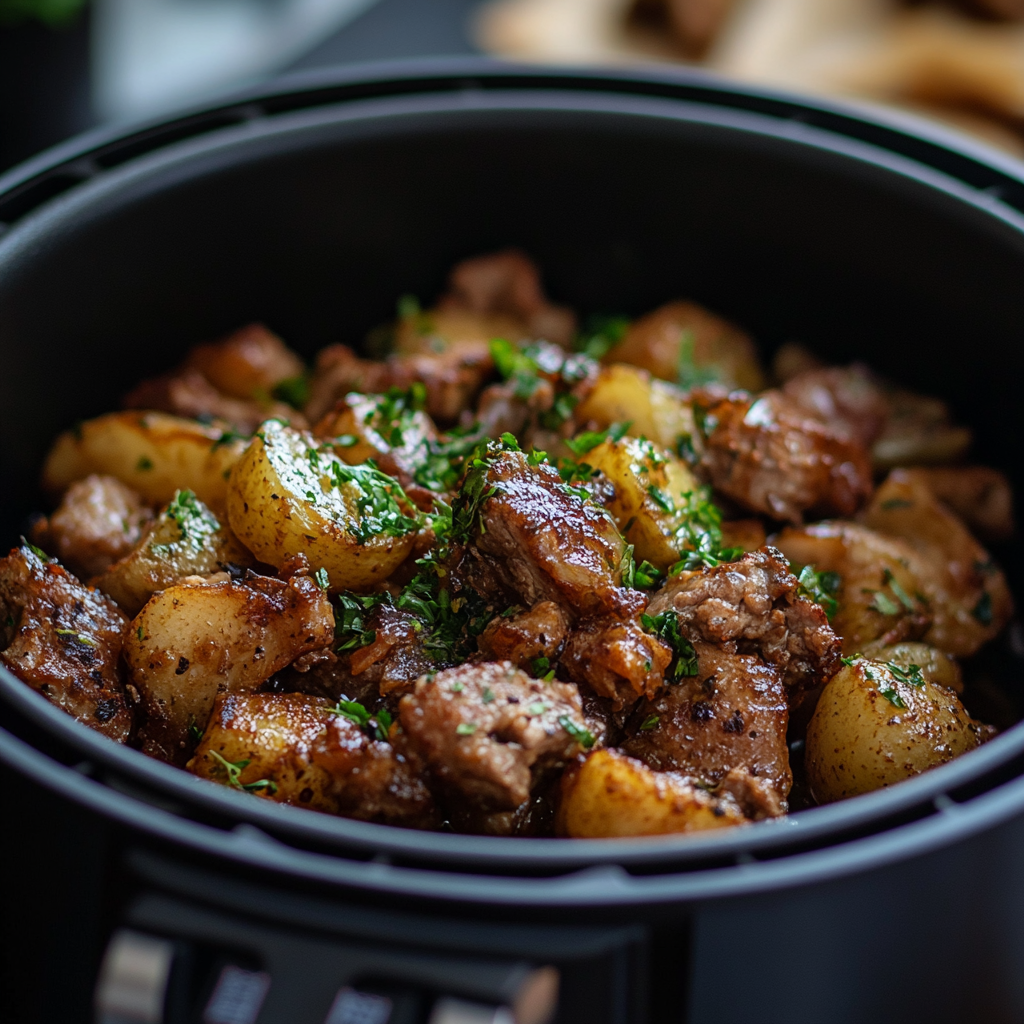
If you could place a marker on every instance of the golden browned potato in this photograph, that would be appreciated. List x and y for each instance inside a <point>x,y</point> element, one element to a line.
<point>186,539</point>
<point>881,581</point>
<point>154,453</point>
<point>688,345</point>
<point>249,363</point>
<point>612,796</point>
<point>918,432</point>
<point>194,640</point>
<point>936,666</point>
<point>430,332</point>
<point>968,597</point>
<point>877,724</point>
<point>648,503</point>
<point>391,429</point>
<point>290,495</point>
<point>294,749</point>
<point>652,408</point>
<point>979,495</point>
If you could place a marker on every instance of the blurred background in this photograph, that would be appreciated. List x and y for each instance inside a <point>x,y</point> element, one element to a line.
<point>66,65</point>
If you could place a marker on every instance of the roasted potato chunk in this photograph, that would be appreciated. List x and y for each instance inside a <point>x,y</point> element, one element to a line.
<point>153,453</point>
<point>968,597</point>
<point>186,539</point>
<point>248,363</point>
<point>877,724</point>
<point>652,408</point>
<point>98,522</point>
<point>649,501</point>
<point>979,495</point>
<point>290,495</point>
<point>614,796</point>
<point>293,749</point>
<point>194,640</point>
<point>64,640</point>
<point>882,581</point>
<point>686,344</point>
<point>936,666</point>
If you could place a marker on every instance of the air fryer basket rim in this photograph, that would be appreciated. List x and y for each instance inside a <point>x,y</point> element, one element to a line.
<point>358,836</point>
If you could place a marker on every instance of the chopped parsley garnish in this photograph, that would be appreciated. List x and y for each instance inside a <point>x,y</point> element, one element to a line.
<point>525,368</point>
<point>540,666</point>
<point>649,723</point>
<point>583,736</point>
<point>820,587</point>
<point>688,373</point>
<point>38,552</point>
<point>78,638</point>
<point>901,595</point>
<point>195,734</point>
<point>487,695</point>
<point>538,707</point>
<point>228,436</point>
<point>465,729</point>
<point>600,335</point>
<point>233,770</point>
<point>891,504</point>
<point>292,390</point>
<point>982,611</point>
<point>700,537</point>
<point>350,615</point>
<point>893,697</point>
<point>322,580</point>
<point>144,465</point>
<point>909,675</point>
<point>684,657</point>
<point>377,725</point>
<point>884,605</point>
<point>589,440</point>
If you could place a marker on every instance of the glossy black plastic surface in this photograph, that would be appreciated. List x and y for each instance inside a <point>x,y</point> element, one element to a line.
<point>312,205</point>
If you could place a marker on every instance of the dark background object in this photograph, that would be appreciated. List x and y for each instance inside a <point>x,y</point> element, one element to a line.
<point>44,86</point>
<point>393,29</point>
<point>311,205</point>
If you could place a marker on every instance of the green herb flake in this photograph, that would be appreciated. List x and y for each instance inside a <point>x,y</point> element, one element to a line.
<point>144,465</point>
<point>982,611</point>
<point>233,770</point>
<point>457,687</point>
<point>884,605</point>
<point>294,391</point>
<point>353,711</point>
<point>383,725</point>
<point>893,697</point>
<point>909,675</point>
<point>601,334</point>
<point>820,587</point>
<point>538,707</point>
<point>487,696</point>
<point>891,504</point>
<point>465,729</point>
<point>586,442</point>
<point>583,736</point>
<point>195,734</point>
<point>649,723</point>
<point>322,580</point>
<point>901,595</point>
<point>684,657</point>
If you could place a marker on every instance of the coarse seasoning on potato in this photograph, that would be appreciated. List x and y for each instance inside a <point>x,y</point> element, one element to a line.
<point>519,572</point>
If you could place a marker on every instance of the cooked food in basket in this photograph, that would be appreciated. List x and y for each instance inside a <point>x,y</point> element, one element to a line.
<point>518,577</point>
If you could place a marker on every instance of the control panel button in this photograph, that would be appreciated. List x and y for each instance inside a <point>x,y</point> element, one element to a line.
<point>237,996</point>
<point>353,1007</point>
<point>132,985</point>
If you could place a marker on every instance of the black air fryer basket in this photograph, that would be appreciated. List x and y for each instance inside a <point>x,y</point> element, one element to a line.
<point>310,205</point>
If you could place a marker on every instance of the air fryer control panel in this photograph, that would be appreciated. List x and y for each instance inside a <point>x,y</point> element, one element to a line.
<point>195,948</point>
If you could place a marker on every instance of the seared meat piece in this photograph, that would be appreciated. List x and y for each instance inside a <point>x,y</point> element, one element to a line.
<point>535,540</point>
<point>726,723</point>
<point>617,659</point>
<point>396,658</point>
<point>508,283</point>
<point>292,749</point>
<point>64,640</point>
<point>754,606</point>
<point>249,363</point>
<point>188,393</point>
<point>489,732</point>
<point>771,457</point>
<point>523,638</point>
<point>452,379</point>
<point>99,521</point>
<point>850,399</point>
<point>197,639</point>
